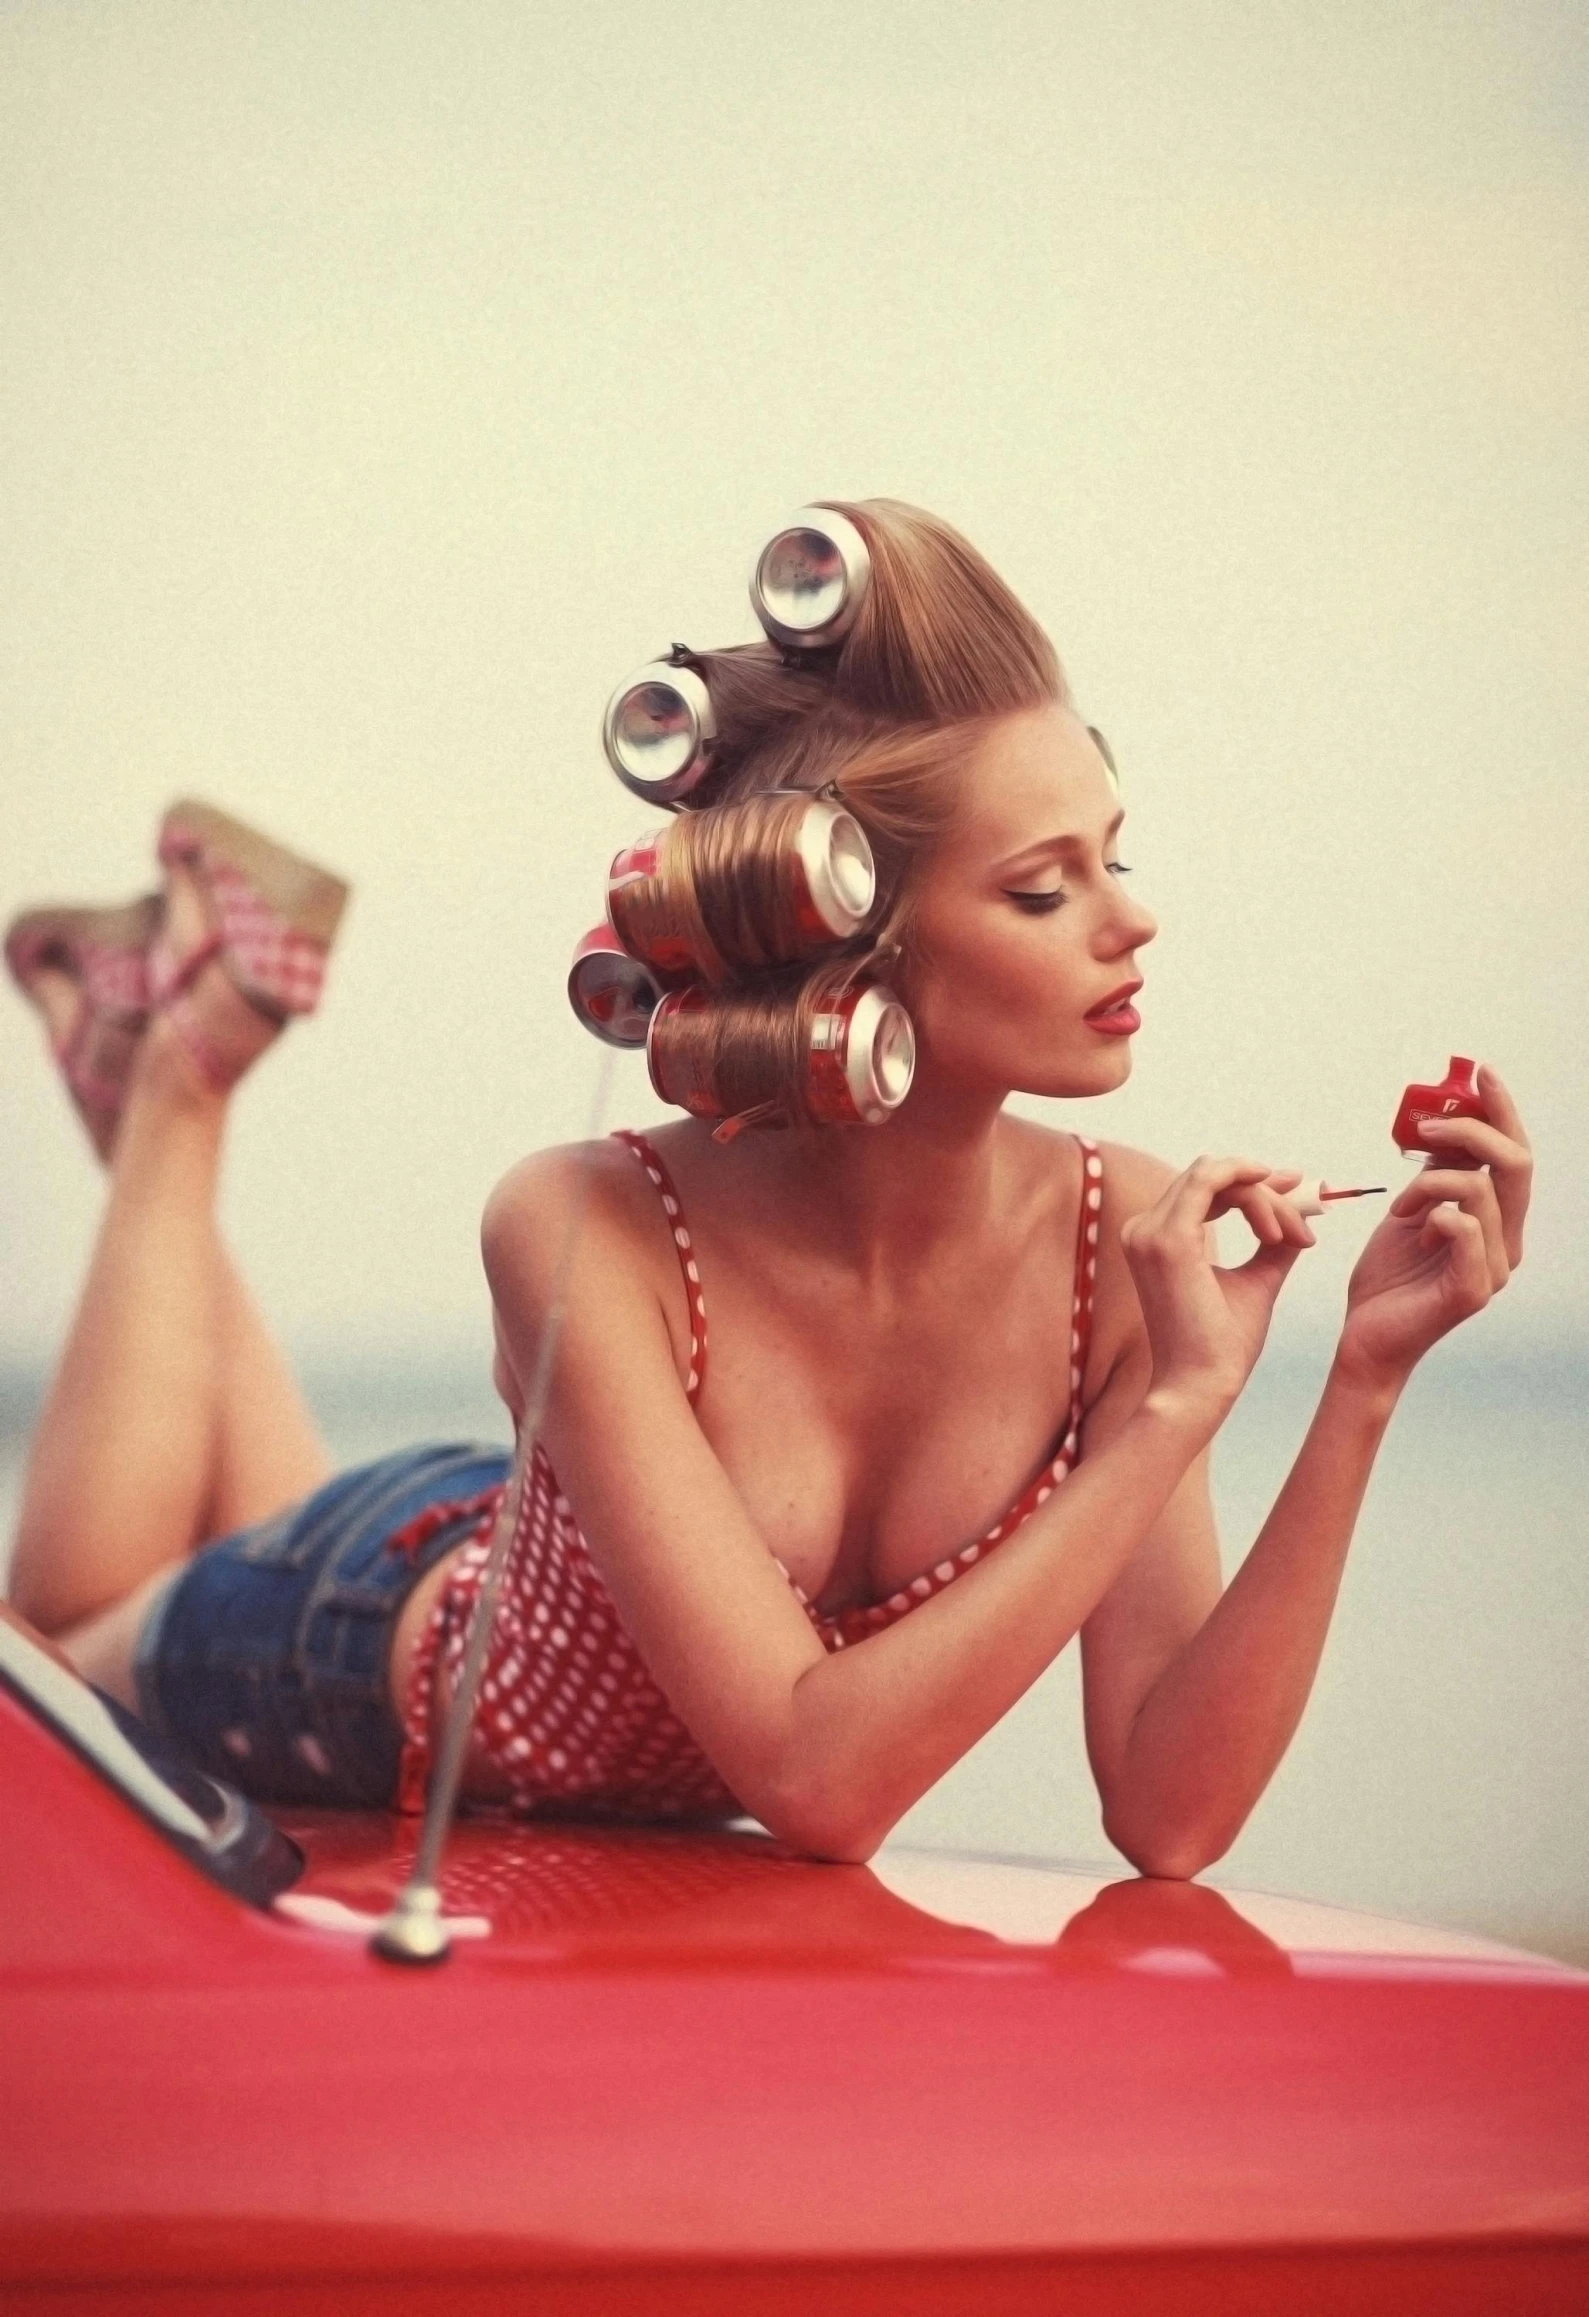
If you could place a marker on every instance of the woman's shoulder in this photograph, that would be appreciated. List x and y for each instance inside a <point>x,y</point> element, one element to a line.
<point>580,1226</point>
<point>1132,1179</point>
<point>594,1186</point>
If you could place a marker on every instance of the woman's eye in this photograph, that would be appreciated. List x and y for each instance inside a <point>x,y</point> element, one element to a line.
<point>1036,904</point>
<point>1118,868</point>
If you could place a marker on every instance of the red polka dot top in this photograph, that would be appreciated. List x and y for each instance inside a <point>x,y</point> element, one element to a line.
<point>569,1716</point>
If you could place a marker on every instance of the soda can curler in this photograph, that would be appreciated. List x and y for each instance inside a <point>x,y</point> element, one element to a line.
<point>612,993</point>
<point>863,1057</point>
<point>678,917</point>
<point>658,731</point>
<point>679,1063</point>
<point>837,881</point>
<point>860,1055</point>
<point>810,579</point>
<point>645,917</point>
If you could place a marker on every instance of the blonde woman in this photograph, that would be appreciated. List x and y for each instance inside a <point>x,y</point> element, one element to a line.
<point>852,1427</point>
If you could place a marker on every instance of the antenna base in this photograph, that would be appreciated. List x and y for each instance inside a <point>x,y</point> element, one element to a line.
<point>413,1932</point>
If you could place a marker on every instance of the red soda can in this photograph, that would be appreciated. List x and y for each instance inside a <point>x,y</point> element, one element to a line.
<point>863,1057</point>
<point>676,1060</point>
<point>611,992</point>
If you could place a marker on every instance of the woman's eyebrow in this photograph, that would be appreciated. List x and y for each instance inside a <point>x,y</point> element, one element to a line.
<point>1067,842</point>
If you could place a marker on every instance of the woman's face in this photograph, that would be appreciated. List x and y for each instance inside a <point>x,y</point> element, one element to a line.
<point>1024,925</point>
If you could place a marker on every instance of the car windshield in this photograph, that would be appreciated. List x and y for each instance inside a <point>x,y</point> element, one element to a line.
<point>214,1826</point>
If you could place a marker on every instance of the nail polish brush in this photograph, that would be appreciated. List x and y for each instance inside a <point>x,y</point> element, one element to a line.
<point>1312,1197</point>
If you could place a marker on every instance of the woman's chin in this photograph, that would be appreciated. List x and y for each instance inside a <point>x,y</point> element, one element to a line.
<point>1079,1076</point>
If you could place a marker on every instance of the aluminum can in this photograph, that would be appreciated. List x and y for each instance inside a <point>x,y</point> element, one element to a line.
<point>810,579</point>
<point>658,731</point>
<point>836,882</point>
<point>612,993</point>
<point>677,1075</point>
<point>643,918</point>
<point>827,880</point>
<point>863,1057</point>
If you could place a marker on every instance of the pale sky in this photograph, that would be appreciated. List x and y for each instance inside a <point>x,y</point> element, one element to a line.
<point>381,385</point>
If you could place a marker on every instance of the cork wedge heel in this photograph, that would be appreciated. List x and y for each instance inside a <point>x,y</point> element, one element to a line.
<point>270,917</point>
<point>104,954</point>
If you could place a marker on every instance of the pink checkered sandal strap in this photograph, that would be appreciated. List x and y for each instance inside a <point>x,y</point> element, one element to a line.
<point>104,953</point>
<point>171,980</point>
<point>274,913</point>
<point>95,1059</point>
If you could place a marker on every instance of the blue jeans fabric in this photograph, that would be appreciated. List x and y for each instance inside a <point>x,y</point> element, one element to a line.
<point>266,1659</point>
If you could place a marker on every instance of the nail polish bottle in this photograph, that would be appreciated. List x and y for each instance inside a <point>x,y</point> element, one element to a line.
<point>1456,1096</point>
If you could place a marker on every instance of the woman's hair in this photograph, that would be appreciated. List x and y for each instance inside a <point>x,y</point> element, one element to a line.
<point>940,647</point>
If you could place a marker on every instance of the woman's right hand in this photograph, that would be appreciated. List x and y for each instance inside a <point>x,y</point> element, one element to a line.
<point>1206,1323</point>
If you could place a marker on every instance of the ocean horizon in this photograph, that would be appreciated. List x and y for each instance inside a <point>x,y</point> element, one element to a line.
<point>1438,1771</point>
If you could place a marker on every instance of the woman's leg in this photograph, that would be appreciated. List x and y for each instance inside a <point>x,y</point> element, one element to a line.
<point>265,1453</point>
<point>268,1449</point>
<point>171,1416</point>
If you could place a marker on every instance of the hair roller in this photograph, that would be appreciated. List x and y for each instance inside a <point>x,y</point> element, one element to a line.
<point>834,1048</point>
<point>809,580</point>
<point>766,881</point>
<point>612,993</point>
<point>658,730</point>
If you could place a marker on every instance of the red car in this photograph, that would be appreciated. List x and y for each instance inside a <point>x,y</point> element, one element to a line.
<point>694,2073</point>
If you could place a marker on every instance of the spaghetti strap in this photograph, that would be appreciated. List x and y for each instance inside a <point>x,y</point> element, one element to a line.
<point>1089,1207</point>
<point>845,1626</point>
<point>569,1712</point>
<point>689,1270</point>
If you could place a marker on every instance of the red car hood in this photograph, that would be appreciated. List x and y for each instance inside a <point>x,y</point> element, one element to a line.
<point>691,2072</point>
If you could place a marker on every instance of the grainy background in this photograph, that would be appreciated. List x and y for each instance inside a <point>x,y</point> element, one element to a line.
<point>381,384</point>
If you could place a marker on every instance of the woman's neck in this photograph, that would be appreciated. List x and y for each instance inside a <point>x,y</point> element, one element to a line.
<point>882,1198</point>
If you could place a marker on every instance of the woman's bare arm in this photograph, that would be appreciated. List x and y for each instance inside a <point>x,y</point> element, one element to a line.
<point>830,1751</point>
<point>1192,1696</point>
<point>1190,1709</point>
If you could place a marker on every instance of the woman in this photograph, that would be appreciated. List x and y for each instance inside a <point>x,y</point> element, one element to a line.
<point>964,1371</point>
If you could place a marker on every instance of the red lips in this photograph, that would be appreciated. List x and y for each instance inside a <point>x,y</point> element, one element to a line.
<point>1115,1016</point>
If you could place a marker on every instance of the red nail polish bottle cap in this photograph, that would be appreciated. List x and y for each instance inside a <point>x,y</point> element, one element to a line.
<point>1456,1096</point>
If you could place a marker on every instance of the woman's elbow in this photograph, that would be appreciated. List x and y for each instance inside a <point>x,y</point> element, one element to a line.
<point>822,1825</point>
<point>1168,1857</point>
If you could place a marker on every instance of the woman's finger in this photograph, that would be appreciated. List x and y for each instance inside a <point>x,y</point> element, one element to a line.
<point>1195,1195</point>
<point>1511,1165</point>
<point>1275,1222</point>
<point>1469,1279</point>
<point>1474,1138</point>
<point>1268,1264</point>
<point>1473,1192</point>
<point>1502,1109</point>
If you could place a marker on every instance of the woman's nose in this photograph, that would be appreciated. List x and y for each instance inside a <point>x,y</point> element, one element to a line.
<point>1133,924</point>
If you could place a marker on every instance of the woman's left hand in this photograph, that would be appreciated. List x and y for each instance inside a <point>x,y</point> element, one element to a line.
<point>1451,1240</point>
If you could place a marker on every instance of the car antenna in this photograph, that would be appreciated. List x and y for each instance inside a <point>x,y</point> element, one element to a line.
<point>415,1930</point>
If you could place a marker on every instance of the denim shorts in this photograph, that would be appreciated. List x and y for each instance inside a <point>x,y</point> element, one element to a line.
<point>266,1659</point>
